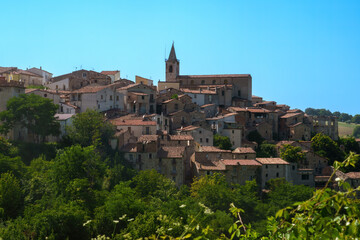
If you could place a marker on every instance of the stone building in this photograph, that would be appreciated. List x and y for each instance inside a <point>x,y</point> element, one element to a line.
<point>295,125</point>
<point>114,75</point>
<point>78,79</point>
<point>139,98</point>
<point>19,75</point>
<point>232,86</point>
<point>46,76</point>
<point>326,125</point>
<point>273,168</point>
<point>202,136</point>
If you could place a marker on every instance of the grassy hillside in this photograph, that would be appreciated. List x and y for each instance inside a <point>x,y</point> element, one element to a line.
<point>346,129</point>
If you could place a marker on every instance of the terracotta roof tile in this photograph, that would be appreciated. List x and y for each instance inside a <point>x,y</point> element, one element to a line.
<point>90,89</point>
<point>209,165</point>
<point>241,162</point>
<point>207,105</point>
<point>252,110</point>
<point>289,115</point>
<point>205,91</point>
<point>271,161</point>
<point>132,122</point>
<point>244,150</point>
<point>171,152</point>
<point>148,138</point>
<point>181,137</point>
<point>353,175</point>
<point>188,128</point>
<point>212,149</point>
<point>110,72</point>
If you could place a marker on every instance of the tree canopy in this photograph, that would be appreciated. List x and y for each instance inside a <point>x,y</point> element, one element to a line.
<point>222,142</point>
<point>33,112</point>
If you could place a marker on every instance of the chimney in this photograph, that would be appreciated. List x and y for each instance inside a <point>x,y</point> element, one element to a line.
<point>40,68</point>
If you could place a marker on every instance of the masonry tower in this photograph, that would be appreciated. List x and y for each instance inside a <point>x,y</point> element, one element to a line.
<point>172,66</point>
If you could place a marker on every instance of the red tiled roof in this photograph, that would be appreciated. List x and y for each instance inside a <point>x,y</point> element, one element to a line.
<point>171,152</point>
<point>130,147</point>
<point>198,91</point>
<point>271,161</point>
<point>207,105</point>
<point>129,86</point>
<point>212,149</point>
<point>110,72</point>
<point>289,115</point>
<point>148,138</point>
<point>209,165</point>
<point>242,162</point>
<point>132,122</point>
<point>181,137</point>
<point>138,93</point>
<point>353,175</point>
<point>244,150</point>
<point>188,128</point>
<point>252,110</point>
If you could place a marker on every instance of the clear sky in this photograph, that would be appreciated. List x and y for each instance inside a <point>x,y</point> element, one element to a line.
<point>301,53</point>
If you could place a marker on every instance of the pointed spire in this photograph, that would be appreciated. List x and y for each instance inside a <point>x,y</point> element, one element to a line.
<point>172,55</point>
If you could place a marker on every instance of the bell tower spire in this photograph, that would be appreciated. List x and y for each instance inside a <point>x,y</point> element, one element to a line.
<point>172,66</point>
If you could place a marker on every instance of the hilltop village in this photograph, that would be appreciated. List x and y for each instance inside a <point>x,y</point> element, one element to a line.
<point>171,127</point>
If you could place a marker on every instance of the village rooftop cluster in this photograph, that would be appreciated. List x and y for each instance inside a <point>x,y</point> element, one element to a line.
<point>170,127</point>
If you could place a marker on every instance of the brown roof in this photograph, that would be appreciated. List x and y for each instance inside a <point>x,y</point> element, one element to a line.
<point>215,165</point>
<point>181,137</point>
<point>212,149</point>
<point>244,150</point>
<point>129,86</point>
<point>109,72</point>
<point>130,147</point>
<point>242,162</point>
<point>215,76</point>
<point>222,116</point>
<point>138,93</point>
<point>132,122</point>
<point>294,111</point>
<point>271,161</point>
<point>5,69</point>
<point>148,138</point>
<point>289,115</point>
<point>353,175</point>
<point>188,128</point>
<point>198,91</point>
<point>171,152</point>
<point>207,105</point>
<point>252,110</point>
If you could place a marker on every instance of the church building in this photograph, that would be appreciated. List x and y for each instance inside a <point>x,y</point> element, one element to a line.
<point>222,89</point>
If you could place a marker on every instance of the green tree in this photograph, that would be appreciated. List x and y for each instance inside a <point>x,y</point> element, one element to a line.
<point>356,132</point>
<point>356,119</point>
<point>292,154</point>
<point>11,196</point>
<point>266,150</point>
<point>76,163</point>
<point>222,142</point>
<point>32,112</point>
<point>349,144</point>
<point>254,136</point>
<point>326,147</point>
<point>90,128</point>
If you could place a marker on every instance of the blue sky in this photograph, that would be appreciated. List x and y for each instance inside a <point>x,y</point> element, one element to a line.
<point>300,53</point>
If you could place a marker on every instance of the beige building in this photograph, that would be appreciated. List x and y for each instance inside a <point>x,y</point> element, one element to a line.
<point>139,98</point>
<point>114,75</point>
<point>135,126</point>
<point>145,81</point>
<point>202,136</point>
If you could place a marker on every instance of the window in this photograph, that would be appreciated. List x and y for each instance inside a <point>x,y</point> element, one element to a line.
<point>110,97</point>
<point>57,87</point>
<point>266,166</point>
<point>293,167</point>
<point>84,75</point>
<point>142,97</point>
<point>194,95</point>
<point>117,98</point>
<point>147,130</point>
<point>225,81</point>
<point>203,82</point>
<point>222,93</point>
<point>165,122</point>
<point>304,177</point>
<point>239,93</point>
<point>45,95</point>
<point>207,140</point>
<point>131,157</point>
<point>277,174</point>
<point>150,156</point>
<point>266,175</point>
<point>102,97</point>
<point>176,106</point>
<point>277,166</point>
<point>214,82</point>
<point>201,140</point>
<point>233,131</point>
<point>171,68</point>
<point>158,121</point>
<point>200,132</point>
<point>245,156</point>
<point>95,81</point>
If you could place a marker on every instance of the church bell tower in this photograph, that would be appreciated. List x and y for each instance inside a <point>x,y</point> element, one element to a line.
<point>172,66</point>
